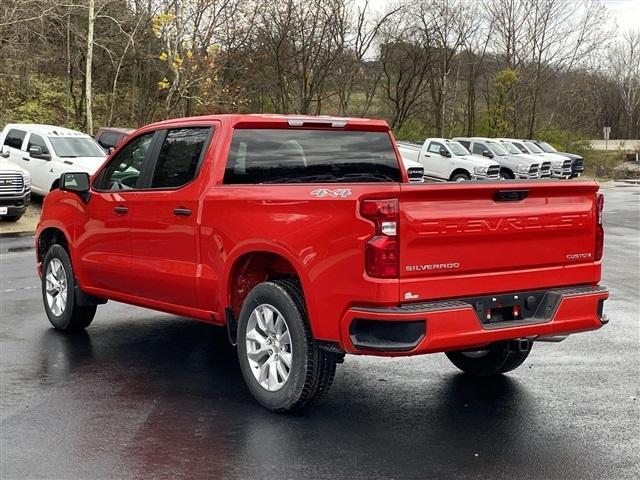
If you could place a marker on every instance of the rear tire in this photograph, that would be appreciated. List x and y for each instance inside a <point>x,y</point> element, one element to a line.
<point>308,371</point>
<point>58,293</point>
<point>495,359</point>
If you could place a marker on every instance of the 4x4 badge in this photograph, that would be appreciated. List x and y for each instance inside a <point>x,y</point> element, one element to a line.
<point>325,192</point>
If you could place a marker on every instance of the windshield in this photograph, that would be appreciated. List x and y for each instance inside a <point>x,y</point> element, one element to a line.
<point>310,156</point>
<point>71,147</point>
<point>546,147</point>
<point>457,149</point>
<point>533,147</point>
<point>497,148</point>
<point>511,148</point>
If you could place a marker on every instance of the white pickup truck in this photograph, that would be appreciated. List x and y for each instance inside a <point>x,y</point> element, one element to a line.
<point>46,152</point>
<point>446,160</point>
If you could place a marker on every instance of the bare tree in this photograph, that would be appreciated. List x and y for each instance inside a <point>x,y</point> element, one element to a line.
<point>624,63</point>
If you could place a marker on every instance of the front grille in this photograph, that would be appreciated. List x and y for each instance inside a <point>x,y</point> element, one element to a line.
<point>566,165</point>
<point>11,183</point>
<point>415,174</point>
<point>493,171</point>
<point>545,169</point>
<point>534,168</point>
<point>578,165</point>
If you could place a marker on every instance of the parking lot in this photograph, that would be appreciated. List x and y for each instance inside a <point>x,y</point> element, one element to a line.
<point>142,394</point>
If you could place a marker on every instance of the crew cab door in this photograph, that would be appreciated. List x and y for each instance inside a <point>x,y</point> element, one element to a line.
<point>104,241</point>
<point>439,165</point>
<point>41,169</point>
<point>164,225</point>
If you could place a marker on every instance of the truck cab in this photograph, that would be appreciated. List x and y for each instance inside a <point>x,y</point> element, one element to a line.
<point>577,162</point>
<point>560,164</point>
<point>447,160</point>
<point>510,166</point>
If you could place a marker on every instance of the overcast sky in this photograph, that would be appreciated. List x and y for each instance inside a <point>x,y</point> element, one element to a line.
<point>625,13</point>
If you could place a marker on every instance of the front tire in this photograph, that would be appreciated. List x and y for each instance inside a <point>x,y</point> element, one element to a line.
<point>58,293</point>
<point>495,359</point>
<point>460,177</point>
<point>506,174</point>
<point>282,365</point>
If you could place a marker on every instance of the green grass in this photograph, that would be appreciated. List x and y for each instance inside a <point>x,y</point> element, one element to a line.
<point>600,163</point>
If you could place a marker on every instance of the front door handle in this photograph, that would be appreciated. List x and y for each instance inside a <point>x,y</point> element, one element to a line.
<point>26,159</point>
<point>121,209</point>
<point>182,211</point>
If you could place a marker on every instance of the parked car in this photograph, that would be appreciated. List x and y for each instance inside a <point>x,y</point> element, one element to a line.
<point>46,152</point>
<point>299,235</point>
<point>577,162</point>
<point>110,137</point>
<point>15,188</point>
<point>545,165</point>
<point>560,165</point>
<point>447,160</point>
<point>511,166</point>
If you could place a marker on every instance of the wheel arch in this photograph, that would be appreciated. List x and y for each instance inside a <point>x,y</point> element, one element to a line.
<point>458,171</point>
<point>253,265</point>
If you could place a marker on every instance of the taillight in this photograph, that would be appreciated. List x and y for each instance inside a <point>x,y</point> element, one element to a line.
<point>381,252</point>
<point>599,229</point>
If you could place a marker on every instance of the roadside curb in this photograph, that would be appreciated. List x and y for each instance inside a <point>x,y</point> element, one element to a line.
<point>629,181</point>
<point>17,234</point>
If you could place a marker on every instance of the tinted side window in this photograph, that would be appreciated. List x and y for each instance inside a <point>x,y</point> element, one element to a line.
<point>37,141</point>
<point>123,171</point>
<point>15,138</point>
<point>434,147</point>
<point>179,157</point>
<point>465,143</point>
<point>478,148</point>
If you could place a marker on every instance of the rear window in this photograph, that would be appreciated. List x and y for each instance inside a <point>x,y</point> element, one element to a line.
<point>15,138</point>
<point>310,156</point>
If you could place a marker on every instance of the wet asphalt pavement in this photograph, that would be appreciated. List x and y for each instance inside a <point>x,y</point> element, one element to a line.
<point>142,394</point>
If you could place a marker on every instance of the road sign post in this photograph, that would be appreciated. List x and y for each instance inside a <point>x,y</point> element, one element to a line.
<point>606,131</point>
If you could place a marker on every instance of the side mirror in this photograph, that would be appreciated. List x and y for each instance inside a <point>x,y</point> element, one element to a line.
<point>444,152</point>
<point>487,153</point>
<point>4,152</point>
<point>77,182</point>
<point>36,152</point>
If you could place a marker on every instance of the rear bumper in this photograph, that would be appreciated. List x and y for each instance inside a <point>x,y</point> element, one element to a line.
<point>454,325</point>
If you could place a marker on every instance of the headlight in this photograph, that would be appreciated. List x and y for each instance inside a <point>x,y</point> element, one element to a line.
<point>26,177</point>
<point>480,170</point>
<point>558,163</point>
<point>523,168</point>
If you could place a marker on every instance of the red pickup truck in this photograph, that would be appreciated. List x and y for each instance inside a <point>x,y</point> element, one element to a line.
<point>302,236</point>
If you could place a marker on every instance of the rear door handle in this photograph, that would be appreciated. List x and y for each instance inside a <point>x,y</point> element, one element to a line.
<point>182,211</point>
<point>121,209</point>
<point>26,159</point>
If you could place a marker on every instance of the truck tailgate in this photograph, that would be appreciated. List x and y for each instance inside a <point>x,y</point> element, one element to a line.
<point>474,238</point>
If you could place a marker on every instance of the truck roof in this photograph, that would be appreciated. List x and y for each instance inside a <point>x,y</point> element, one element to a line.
<point>47,130</point>
<point>260,119</point>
